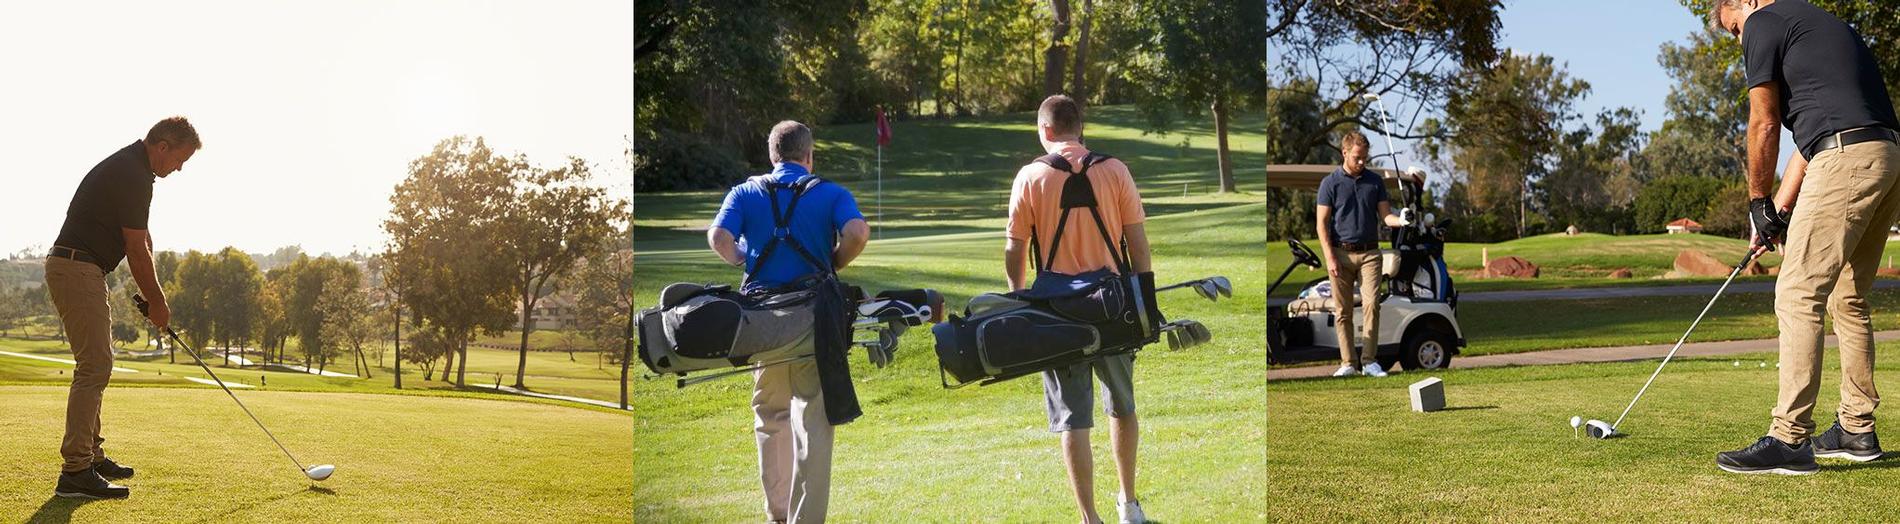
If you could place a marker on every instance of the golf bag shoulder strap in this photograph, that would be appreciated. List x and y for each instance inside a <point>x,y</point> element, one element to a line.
<point>1077,192</point>
<point>782,222</point>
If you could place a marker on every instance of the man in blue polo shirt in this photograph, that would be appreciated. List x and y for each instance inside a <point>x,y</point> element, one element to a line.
<point>1353,205</point>
<point>825,233</point>
<point>1814,74</point>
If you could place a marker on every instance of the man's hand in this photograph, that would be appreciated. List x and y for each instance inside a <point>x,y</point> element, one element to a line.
<point>1767,223</point>
<point>1405,217</point>
<point>1332,269</point>
<point>161,314</point>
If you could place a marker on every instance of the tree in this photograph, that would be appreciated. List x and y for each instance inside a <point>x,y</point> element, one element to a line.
<point>347,314</point>
<point>1056,54</point>
<point>556,218</point>
<point>445,225</point>
<point>1707,110</point>
<point>191,300</point>
<point>1505,122</point>
<point>1410,49</point>
<point>1594,180</point>
<point>1665,200</point>
<point>1294,109</point>
<point>238,288</point>
<point>1202,55</point>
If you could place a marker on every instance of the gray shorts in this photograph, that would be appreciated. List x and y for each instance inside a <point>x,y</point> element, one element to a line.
<point>1070,392</point>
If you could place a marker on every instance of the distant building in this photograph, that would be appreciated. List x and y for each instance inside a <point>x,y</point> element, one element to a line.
<point>1683,225</point>
<point>552,312</point>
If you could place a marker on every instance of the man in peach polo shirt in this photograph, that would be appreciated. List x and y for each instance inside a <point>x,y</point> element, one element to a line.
<point>1034,210</point>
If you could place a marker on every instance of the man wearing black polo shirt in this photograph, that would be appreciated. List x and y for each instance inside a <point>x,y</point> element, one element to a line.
<point>1813,73</point>
<point>104,224</point>
<point>1353,205</point>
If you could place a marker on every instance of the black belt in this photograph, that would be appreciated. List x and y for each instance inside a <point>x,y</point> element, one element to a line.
<point>1355,248</point>
<point>73,254</point>
<point>1848,138</point>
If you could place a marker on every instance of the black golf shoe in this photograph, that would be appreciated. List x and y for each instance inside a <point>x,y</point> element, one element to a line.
<point>111,470</point>
<point>1770,455</point>
<point>87,484</point>
<point>1839,444</point>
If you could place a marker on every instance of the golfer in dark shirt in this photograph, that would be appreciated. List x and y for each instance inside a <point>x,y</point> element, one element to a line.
<point>1353,206</point>
<point>1811,72</point>
<point>106,223</point>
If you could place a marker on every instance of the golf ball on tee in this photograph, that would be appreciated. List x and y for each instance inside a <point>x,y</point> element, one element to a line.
<point>1576,421</point>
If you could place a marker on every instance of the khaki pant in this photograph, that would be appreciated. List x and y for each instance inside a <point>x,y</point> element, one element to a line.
<point>1362,270</point>
<point>79,293</point>
<point>794,440</point>
<point>1835,239</point>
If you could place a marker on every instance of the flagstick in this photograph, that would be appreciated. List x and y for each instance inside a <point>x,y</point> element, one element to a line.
<point>880,190</point>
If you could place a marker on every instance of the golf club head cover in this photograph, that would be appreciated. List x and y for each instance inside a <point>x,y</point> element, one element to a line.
<point>1766,224</point>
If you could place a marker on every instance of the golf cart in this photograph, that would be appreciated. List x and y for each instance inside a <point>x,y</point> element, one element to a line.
<point>1418,321</point>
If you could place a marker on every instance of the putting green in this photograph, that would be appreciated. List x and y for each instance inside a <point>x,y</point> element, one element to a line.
<point>399,458</point>
<point>1350,449</point>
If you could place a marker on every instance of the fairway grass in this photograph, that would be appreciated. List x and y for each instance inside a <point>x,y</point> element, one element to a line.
<point>1350,450</point>
<point>399,458</point>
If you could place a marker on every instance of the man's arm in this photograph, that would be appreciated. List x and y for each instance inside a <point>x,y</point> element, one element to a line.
<point>851,240</point>
<point>138,254</point>
<point>1391,220</point>
<point>1138,254</point>
<point>1791,183</point>
<point>1015,256</point>
<point>1764,138</point>
<point>721,242</point>
<point>1326,239</point>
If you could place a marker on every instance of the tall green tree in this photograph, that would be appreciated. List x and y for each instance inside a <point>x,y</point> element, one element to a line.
<point>1507,120</point>
<point>1203,56</point>
<point>557,218</point>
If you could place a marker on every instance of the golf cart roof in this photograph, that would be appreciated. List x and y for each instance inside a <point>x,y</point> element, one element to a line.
<point>1308,176</point>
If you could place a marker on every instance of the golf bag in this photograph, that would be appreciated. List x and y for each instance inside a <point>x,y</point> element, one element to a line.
<point>1061,319</point>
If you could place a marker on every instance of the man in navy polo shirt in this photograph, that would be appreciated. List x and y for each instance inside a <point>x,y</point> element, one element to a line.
<point>106,223</point>
<point>789,423</point>
<point>1814,74</point>
<point>1353,206</point>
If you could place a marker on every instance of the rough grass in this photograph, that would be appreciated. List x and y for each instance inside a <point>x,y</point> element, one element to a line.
<point>1350,450</point>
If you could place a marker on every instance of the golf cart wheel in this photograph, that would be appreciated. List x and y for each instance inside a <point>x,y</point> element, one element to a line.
<point>1426,349</point>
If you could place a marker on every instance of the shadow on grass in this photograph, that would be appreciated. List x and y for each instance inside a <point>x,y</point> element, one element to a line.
<point>56,509</point>
<point>1889,460</point>
<point>1465,408</point>
<point>264,503</point>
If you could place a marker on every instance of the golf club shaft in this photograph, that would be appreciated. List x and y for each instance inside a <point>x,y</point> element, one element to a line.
<point>688,381</point>
<point>1752,252</point>
<point>1180,285</point>
<point>234,398</point>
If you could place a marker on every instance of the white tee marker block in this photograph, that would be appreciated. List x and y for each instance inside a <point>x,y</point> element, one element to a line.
<point>1428,395</point>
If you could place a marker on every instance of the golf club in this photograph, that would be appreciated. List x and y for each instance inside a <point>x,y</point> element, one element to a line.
<point>1597,428</point>
<point>318,472</point>
<point>1211,288</point>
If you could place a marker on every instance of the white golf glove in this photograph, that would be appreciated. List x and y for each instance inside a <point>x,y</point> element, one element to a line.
<point>1405,216</point>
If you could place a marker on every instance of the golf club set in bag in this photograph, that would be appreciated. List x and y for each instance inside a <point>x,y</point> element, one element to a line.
<point>1065,319</point>
<point>704,327</point>
<point>318,472</point>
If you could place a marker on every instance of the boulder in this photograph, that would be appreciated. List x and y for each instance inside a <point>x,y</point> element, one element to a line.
<point>1774,270</point>
<point>1754,268</point>
<point>1513,267</point>
<point>1622,273</point>
<point>1888,272</point>
<point>1696,263</point>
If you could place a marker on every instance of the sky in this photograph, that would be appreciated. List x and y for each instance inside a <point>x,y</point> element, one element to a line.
<point>1612,44</point>
<point>309,111</point>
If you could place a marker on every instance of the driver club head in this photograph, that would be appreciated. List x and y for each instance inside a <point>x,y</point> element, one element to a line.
<point>320,472</point>
<point>1598,429</point>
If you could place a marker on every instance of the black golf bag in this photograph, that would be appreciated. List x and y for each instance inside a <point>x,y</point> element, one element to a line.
<point>1061,319</point>
<point>699,327</point>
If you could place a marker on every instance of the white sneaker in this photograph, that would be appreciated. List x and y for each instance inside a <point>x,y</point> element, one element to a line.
<point>1373,370</point>
<point>1131,512</point>
<point>1345,370</point>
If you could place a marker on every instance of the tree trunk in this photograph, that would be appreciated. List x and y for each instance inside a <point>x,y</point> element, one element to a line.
<point>626,358</point>
<point>527,325</point>
<point>398,315</point>
<point>461,368</point>
<point>1220,134</point>
<point>1056,54</point>
<point>449,364</point>
<point>1078,81</point>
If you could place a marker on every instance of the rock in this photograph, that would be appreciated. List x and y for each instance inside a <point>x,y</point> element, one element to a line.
<point>1428,395</point>
<point>1696,263</point>
<point>1774,270</point>
<point>1622,273</point>
<point>1754,268</point>
<point>1888,272</point>
<point>1513,267</point>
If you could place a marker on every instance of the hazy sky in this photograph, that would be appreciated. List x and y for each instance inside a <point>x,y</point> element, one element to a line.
<point>310,111</point>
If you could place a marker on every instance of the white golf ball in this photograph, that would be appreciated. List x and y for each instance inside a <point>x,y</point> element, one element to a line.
<point>1576,421</point>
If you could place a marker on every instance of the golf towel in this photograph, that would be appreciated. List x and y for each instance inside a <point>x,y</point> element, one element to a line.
<point>832,338</point>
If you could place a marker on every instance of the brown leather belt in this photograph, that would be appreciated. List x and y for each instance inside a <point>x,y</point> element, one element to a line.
<point>1357,248</point>
<point>1851,137</point>
<point>72,254</point>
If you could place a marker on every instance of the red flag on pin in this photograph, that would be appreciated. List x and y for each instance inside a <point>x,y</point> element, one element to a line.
<point>883,129</point>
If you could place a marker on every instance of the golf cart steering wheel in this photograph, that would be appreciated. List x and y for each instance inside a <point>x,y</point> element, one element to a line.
<point>1301,254</point>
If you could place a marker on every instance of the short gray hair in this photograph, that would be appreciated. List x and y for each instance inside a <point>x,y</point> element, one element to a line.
<point>1715,13</point>
<point>789,141</point>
